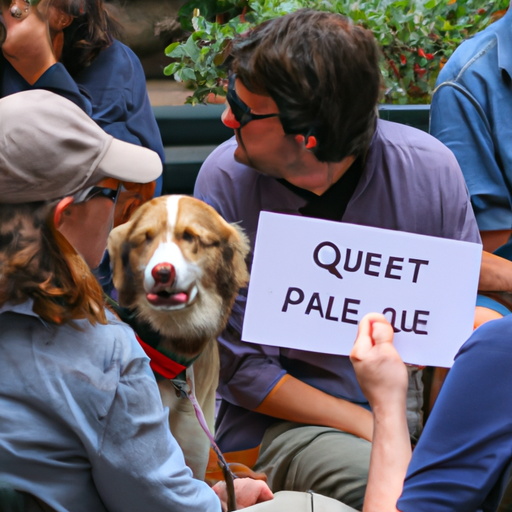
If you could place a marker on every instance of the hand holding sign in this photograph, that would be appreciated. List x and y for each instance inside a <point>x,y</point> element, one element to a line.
<point>310,291</point>
<point>380,371</point>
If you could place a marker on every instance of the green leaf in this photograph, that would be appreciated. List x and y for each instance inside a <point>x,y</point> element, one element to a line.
<point>188,74</point>
<point>170,48</point>
<point>177,53</point>
<point>430,4</point>
<point>191,48</point>
<point>171,68</point>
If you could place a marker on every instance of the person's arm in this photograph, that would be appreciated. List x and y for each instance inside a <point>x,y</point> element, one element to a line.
<point>139,465</point>
<point>459,121</point>
<point>293,400</point>
<point>495,274</point>
<point>116,85</point>
<point>383,378</point>
<point>492,240</point>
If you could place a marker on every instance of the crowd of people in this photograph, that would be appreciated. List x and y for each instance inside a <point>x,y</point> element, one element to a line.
<point>82,426</point>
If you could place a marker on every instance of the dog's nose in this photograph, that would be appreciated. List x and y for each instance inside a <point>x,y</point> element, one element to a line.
<point>164,273</point>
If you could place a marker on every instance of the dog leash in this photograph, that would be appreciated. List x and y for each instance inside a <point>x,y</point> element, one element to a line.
<point>173,368</point>
<point>185,391</point>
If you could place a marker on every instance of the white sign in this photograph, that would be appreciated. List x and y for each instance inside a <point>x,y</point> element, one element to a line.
<point>313,280</point>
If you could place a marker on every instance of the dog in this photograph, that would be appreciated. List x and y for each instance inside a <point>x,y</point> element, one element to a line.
<point>178,266</point>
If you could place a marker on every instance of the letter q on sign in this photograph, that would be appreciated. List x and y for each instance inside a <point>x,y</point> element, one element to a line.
<point>327,256</point>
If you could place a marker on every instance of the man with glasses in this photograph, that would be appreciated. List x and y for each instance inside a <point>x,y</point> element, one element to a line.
<point>303,104</point>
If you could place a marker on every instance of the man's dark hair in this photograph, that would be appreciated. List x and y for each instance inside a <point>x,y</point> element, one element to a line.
<point>323,73</point>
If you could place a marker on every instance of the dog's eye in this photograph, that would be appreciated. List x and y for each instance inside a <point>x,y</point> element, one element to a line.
<point>187,236</point>
<point>149,236</point>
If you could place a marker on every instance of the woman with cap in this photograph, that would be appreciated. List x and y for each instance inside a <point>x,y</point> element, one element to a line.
<point>82,426</point>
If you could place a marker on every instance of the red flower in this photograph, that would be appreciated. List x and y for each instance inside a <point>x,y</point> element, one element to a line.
<point>480,11</point>
<point>394,68</point>
<point>403,60</point>
<point>242,16</point>
<point>419,71</point>
<point>429,56</point>
<point>421,53</point>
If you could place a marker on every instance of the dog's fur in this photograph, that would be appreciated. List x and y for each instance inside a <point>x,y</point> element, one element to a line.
<point>208,255</point>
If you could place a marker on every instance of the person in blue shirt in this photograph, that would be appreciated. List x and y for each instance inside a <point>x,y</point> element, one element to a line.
<point>462,460</point>
<point>470,113</point>
<point>82,426</point>
<point>90,67</point>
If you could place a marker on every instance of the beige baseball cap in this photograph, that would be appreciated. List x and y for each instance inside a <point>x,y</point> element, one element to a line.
<point>50,148</point>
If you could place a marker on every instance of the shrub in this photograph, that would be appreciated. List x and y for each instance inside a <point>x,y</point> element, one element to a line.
<point>416,38</point>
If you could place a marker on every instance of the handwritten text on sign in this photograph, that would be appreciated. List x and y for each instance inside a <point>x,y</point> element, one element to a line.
<point>313,280</point>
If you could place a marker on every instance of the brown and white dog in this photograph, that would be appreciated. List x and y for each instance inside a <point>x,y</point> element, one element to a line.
<point>179,265</point>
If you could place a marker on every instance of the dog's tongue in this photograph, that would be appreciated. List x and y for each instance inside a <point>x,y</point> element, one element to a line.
<point>173,300</point>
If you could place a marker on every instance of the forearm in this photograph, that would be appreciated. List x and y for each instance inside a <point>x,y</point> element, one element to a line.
<point>391,454</point>
<point>495,274</point>
<point>294,400</point>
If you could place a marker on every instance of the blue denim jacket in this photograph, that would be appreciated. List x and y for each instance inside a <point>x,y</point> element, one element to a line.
<point>471,114</point>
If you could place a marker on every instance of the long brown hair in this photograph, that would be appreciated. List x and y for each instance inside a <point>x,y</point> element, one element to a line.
<point>92,30</point>
<point>38,263</point>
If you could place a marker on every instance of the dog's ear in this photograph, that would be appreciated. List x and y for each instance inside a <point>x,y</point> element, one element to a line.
<point>116,241</point>
<point>240,244</point>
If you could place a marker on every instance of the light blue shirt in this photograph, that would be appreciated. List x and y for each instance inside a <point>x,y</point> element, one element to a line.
<point>82,426</point>
<point>471,113</point>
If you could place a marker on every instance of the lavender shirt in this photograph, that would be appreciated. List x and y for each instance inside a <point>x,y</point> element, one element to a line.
<point>410,182</point>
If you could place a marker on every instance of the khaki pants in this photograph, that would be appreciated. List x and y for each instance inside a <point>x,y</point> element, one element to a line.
<point>329,462</point>
<point>289,501</point>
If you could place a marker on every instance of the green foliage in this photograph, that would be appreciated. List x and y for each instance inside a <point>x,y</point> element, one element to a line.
<point>416,38</point>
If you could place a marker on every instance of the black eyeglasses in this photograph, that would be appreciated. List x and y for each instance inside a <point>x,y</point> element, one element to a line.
<point>85,195</point>
<point>241,112</point>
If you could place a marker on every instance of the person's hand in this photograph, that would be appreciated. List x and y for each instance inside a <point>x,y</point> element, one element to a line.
<point>380,371</point>
<point>28,46</point>
<point>248,492</point>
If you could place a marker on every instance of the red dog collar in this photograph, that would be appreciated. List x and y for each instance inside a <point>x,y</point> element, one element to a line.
<point>160,363</point>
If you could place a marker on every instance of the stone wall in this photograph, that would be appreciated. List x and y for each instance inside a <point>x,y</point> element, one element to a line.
<point>148,27</point>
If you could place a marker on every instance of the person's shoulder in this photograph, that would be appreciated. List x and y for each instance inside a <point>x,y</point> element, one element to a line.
<point>475,52</point>
<point>119,48</point>
<point>491,337</point>
<point>120,58</point>
<point>113,342</point>
<point>406,143</point>
<point>221,171</point>
<point>413,160</point>
<point>222,160</point>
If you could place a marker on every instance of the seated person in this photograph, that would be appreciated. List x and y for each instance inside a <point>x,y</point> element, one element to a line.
<point>82,426</point>
<point>463,458</point>
<point>470,113</point>
<point>82,61</point>
<point>302,101</point>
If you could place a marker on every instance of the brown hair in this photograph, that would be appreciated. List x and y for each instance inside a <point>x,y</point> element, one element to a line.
<point>323,73</point>
<point>38,263</point>
<point>92,31</point>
